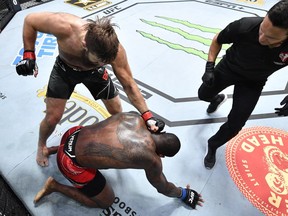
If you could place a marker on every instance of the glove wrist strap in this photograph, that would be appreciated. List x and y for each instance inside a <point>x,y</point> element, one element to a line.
<point>183,194</point>
<point>210,64</point>
<point>29,54</point>
<point>147,115</point>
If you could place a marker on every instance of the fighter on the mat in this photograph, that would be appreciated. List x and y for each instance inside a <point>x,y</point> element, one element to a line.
<point>85,46</point>
<point>119,142</point>
<point>259,48</point>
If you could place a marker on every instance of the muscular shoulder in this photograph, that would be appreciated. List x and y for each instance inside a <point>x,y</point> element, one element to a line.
<point>131,121</point>
<point>234,30</point>
<point>58,24</point>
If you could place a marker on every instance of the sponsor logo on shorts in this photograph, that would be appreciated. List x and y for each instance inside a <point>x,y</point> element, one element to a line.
<point>70,143</point>
<point>283,56</point>
<point>257,160</point>
<point>89,5</point>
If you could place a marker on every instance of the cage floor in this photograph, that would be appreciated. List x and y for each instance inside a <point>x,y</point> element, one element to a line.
<point>168,68</point>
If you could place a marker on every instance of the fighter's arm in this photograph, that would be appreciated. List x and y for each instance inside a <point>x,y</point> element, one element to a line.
<point>123,73</point>
<point>157,178</point>
<point>46,22</point>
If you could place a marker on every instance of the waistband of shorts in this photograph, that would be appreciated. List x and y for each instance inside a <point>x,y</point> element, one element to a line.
<point>69,146</point>
<point>59,60</point>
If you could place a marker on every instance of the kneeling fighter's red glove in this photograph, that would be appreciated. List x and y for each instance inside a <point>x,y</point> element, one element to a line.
<point>27,66</point>
<point>151,120</point>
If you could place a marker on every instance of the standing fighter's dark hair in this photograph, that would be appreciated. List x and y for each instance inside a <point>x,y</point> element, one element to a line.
<point>101,39</point>
<point>278,14</point>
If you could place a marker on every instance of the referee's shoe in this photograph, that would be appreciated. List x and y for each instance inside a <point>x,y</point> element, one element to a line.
<point>216,103</point>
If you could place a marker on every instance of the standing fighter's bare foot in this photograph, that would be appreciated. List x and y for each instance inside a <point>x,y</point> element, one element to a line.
<point>42,156</point>
<point>46,190</point>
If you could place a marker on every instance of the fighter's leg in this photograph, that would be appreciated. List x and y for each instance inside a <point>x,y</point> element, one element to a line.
<point>103,200</point>
<point>51,186</point>
<point>46,190</point>
<point>113,105</point>
<point>245,98</point>
<point>54,111</point>
<point>60,87</point>
<point>100,191</point>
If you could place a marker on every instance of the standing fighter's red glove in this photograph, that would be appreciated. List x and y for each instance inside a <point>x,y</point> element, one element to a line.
<point>27,66</point>
<point>151,120</point>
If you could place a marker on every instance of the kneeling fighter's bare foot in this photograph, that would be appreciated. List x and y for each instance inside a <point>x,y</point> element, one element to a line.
<point>42,156</point>
<point>46,190</point>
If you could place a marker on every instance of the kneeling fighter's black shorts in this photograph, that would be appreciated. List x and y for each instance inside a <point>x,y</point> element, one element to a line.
<point>63,80</point>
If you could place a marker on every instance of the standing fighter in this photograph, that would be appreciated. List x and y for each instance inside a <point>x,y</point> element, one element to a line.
<point>259,48</point>
<point>84,48</point>
<point>120,142</point>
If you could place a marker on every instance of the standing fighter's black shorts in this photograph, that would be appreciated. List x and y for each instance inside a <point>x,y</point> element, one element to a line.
<point>90,181</point>
<point>63,80</point>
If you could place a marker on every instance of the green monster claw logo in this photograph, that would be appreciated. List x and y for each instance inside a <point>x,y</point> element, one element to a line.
<point>190,50</point>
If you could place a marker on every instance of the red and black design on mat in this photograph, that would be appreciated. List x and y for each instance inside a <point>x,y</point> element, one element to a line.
<point>257,160</point>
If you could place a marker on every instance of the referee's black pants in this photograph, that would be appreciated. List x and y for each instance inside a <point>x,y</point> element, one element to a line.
<point>245,97</point>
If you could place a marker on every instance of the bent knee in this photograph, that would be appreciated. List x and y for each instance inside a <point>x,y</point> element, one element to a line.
<point>201,95</point>
<point>103,203</point>
<point>108,203</point>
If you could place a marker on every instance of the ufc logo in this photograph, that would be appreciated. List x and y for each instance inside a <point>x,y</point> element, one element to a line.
<point>191,198</point>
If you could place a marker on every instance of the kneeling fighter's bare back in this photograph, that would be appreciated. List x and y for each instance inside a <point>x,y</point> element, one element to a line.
<point>118,142</point>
